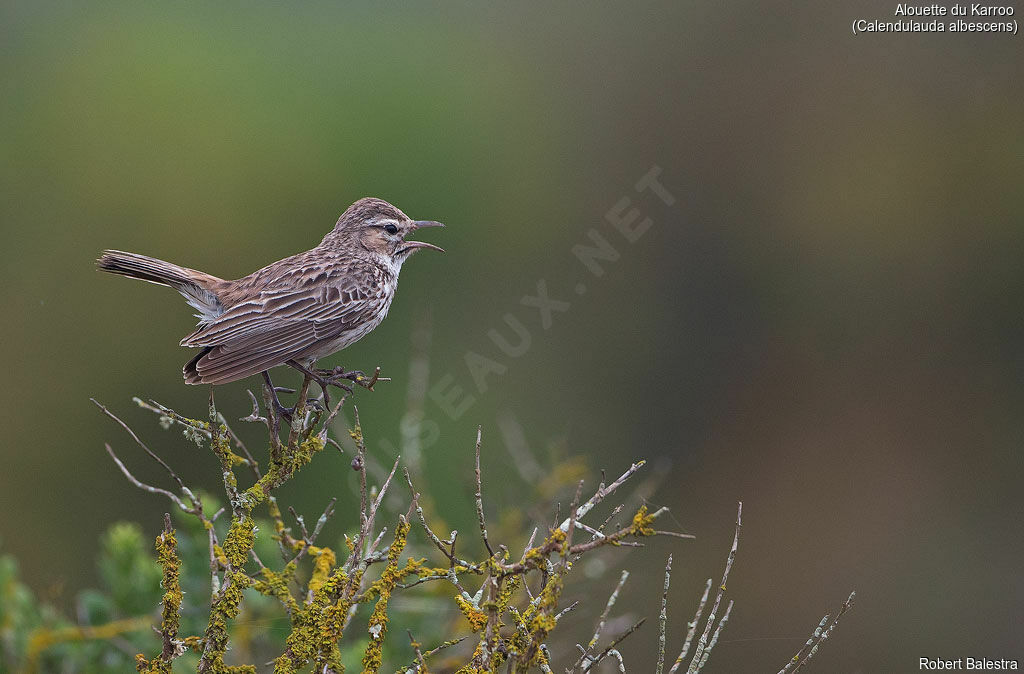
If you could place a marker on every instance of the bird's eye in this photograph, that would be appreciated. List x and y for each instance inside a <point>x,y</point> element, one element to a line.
<point>390,229</point>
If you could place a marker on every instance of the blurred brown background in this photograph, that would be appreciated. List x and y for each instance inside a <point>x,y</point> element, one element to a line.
<point>825,324</point>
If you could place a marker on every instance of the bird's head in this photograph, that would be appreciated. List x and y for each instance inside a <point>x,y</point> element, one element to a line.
<point>381,228</point>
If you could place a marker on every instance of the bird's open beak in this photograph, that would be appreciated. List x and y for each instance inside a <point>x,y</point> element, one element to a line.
<point>416,224</point>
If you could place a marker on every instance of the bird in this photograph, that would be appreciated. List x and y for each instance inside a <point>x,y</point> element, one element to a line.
<point>294,311</point>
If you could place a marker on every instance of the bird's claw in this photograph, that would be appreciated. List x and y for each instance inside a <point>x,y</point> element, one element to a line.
<point>335,376</point>
<point>284,412</point>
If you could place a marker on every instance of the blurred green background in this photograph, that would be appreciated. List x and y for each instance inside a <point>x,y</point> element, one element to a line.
<point>825,324</point>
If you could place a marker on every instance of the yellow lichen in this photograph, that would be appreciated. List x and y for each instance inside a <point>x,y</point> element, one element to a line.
<point>378,623</point>
<point>275,584</point>
<point>317,628</point>
<point>322,565</point>
<point>642,523</point>
<point>167,556</point>
<point>477,618</point>
<point>218,553</point>
<point>292,459</point>
<point>535,558</point>
<point>170,617</point>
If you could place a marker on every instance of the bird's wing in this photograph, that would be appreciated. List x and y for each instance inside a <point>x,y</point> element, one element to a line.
<point>277,324</point>
<point>337,297</point>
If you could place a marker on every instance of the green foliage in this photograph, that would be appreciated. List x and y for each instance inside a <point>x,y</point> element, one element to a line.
<point>37,637</point>
<point>19,613</point>
<point>128,570</point>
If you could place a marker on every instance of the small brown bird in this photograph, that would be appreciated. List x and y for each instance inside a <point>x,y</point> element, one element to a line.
<point>296,310</point>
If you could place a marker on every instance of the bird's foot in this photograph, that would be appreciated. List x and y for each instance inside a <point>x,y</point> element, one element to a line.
<point>279,409</point>
<point>287,413</point>
<point>335,376</point>
<point>282,411</point>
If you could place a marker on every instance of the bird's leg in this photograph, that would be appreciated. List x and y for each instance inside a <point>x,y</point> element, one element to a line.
<point>283,411</point>
<point>322,381</point>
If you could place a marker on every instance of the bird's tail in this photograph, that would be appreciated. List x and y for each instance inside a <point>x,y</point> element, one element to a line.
<point>198,288</point>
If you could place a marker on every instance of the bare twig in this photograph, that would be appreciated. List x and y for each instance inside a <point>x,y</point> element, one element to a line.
<point>330,420</point>
<point>820,635</point>
<point>298,423</point>
<point>567,548</point>
<point>479,498</point>
<point>421,663</point>
<point>432,651</point>
<point>587,665</point>
<point>145,487</point>
<point>253,466</point>
<point>322,520</point>
<point>592,644</point>
<point>714,637</point>
<point>615,538</point>
<point>568,609</point>
<point>698,652</point>
<point>663,618</point>
<point>301,522</point>
<point>185,490</point>
<point>273,421</point>
<point>692,628</point>
<point>438,543</point>
<point>600,495</point>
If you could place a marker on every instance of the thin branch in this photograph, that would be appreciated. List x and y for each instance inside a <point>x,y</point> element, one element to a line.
<point>322,520</point>
<point>567,548</point>
<point>301,522</point>
<point>714,637</point>
<point>185,490</point>
<point>698,653</point>
<point>602,492</point>
<point>298,422</point>
<point>145,487</point>
<point>601,621</point>
<point>692,628</point>
<point>322,435</point>
<point>820,635</point>
<point>611,647</point>
<point>383,490</point>
<point>479,498</point>
<point>421,663</point>
<point>663,617</point>
<point>571,607</point>
<point>273,421</point>
<point>580,548</point>
<point>438,543</point>
<point>432,651</point>
<point>253,466</point>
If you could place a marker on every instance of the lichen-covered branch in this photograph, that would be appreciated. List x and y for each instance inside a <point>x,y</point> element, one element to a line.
<point>170,622</point>
<point>821,633</point>
<point>515,609</point>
